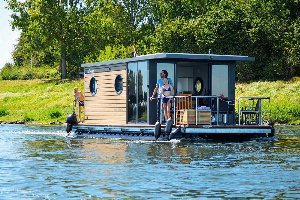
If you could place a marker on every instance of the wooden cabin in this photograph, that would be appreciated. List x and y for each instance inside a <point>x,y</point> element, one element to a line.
<point>117,92</point>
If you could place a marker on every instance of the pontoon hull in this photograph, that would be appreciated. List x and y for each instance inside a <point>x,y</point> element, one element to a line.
<point>191,132</point>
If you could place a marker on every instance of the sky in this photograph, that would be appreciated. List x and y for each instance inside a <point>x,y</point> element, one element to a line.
<point>8,38</point>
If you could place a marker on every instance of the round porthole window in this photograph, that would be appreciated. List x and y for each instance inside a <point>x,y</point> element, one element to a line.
<point>198,86</point>
<point>93,86</point>
<point>119,84</point>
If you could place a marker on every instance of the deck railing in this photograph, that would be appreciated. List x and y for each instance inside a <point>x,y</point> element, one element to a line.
<point>196,100</point>
<point>216,111</point>
<point>252,110</point>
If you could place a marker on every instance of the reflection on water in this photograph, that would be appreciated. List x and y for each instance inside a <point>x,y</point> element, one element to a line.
<point>110,152</point>
<point>40,163</point>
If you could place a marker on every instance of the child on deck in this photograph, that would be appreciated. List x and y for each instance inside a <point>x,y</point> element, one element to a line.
<point>167,91</point>
<point>79,97</point>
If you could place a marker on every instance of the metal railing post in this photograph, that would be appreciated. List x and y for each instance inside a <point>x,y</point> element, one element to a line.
<point>217,111</point>
<point>239,111</point>
<point>160,112</point>
<point>259,112</point>
<point>175,120</point>
<point>196,110</point>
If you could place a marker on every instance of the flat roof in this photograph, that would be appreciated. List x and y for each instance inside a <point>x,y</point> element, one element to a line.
<point>175,56</point>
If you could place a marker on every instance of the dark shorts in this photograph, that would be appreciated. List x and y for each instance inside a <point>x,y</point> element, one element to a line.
<point>166,99</point>
<point>81,103</point>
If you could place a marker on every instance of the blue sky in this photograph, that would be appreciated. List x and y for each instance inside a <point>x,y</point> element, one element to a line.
<point>8,38</point>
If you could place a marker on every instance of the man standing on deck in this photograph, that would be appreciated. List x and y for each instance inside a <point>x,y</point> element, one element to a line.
<point>160,83</point>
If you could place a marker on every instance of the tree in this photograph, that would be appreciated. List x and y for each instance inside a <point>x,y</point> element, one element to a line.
<point>49,23</point>
<point>74,31</point>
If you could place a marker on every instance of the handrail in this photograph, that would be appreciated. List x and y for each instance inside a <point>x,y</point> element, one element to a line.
<point>218,106</point>
<point>198,97</point>
<point>259,109</point>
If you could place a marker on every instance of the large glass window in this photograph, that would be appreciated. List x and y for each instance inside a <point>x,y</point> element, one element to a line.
<point>142,92</point>
<point>137,92</point>
<point>131,87</point>
<point>220,80</point>
<point>166,66</point>
<point>170,69</point>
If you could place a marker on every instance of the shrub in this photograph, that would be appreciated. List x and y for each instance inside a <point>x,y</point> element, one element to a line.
<point>13,72</point>
<point>3,112</point>
<point>295,79</point>
<point>54,113</point>
<point>9,72</point>
<point>28,118</point>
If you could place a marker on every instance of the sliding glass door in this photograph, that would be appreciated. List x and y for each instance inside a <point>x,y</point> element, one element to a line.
<point>137,78</point>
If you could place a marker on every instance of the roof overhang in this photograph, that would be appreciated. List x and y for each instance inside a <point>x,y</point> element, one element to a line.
<point>175,56</point>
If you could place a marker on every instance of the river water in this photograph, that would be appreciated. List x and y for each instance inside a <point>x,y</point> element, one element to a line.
<point>39,162</point>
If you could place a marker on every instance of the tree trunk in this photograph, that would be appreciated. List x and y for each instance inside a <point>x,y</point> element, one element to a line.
<point>63,64</point>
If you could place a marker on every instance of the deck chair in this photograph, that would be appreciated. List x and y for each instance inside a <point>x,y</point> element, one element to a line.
<point>182,103</point>
<point>250,114</point>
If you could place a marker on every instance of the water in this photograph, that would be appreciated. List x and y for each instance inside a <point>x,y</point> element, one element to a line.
<point>40,163</point>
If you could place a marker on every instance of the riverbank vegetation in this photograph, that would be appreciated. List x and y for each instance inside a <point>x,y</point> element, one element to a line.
<point>37,101</point>
<point>58,36</point>
<point>50,101</point>
<point>284,102</point>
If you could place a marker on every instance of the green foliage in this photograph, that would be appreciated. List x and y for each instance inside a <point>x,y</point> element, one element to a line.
<point>14,72</point>
<point>9,72</point>
<point>112,53</point>
<point>28,118</point>
<point>3,112</point>
<point>284,103</point>
<point>63,35</point>
<point>55,113</point>
<point>36,100</point>
<point>47,26</point>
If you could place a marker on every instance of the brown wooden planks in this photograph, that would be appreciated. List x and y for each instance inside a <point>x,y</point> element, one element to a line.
<point>106,107</point>
<point>105,122</point>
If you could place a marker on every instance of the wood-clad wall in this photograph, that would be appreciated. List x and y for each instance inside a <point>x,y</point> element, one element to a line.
<point>106,107</point>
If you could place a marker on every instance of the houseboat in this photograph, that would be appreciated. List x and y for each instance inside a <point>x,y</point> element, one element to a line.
<point>118,103</point>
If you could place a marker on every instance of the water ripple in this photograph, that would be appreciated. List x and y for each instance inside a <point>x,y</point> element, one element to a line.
<point>40,163</point>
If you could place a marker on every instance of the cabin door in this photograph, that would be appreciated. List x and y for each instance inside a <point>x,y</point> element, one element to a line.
<point>219,80</point>
<point>137,92</point>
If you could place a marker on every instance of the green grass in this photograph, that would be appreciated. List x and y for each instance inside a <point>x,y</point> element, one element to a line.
<point>42,101</point>
<point>46,101</point>
<point>285,98</point>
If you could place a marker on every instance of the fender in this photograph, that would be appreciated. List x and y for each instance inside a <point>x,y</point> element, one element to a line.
<point>71,120</point>
<point>168,127</point>
<point>157,130</point>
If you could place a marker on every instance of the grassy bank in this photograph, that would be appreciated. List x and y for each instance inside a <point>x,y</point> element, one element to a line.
<point>46,101</point>
<point>285,98</point>
<point>42,101</point>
